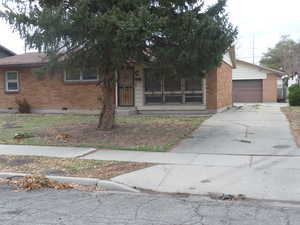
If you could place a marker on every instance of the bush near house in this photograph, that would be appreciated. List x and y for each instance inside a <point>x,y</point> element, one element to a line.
<point>23,106</point>
<point>294,95</point>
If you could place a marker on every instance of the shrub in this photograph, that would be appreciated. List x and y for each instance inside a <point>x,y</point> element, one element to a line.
<point>23,106</point>
<point>294,95</point>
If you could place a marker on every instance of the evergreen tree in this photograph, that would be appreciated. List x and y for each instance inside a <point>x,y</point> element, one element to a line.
<point>179,38</point>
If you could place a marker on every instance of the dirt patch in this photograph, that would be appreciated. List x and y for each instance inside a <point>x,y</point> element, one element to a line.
<point>124,134</point>
<point>68,167</point>
<point>20,162</point>
<point>293,116</point>
<point>53,172</point>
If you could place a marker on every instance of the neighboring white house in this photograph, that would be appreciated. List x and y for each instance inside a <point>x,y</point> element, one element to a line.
<point>253,83</point>
<point>293,80</point>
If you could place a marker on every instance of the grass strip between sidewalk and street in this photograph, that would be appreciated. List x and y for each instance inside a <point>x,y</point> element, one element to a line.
<point>67,167</point>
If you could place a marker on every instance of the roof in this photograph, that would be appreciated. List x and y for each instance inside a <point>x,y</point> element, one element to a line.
<point>27,59</point>
<point>279,72</point>
<point>7,50</point>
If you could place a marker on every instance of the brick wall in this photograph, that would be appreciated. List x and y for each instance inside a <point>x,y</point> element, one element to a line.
<point>219,87</point>
<point>50,93</point>
<point>270,88</point>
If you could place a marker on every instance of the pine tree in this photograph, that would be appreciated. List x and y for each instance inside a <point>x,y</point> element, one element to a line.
<point>179,38</point>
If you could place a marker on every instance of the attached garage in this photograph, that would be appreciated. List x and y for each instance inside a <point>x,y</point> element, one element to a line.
<point>253,83</point>
<point>247,91</point>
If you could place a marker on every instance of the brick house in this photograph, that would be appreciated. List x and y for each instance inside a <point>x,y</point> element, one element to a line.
<point>76,92</point>
<point>253,83</point>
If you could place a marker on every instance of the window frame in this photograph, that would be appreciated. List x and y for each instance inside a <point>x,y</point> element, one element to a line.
<point>183,93</point>
<point>80,79</point>
<point>7,81</point>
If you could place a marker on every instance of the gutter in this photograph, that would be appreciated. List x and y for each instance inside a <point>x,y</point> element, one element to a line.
<point>24,65</point>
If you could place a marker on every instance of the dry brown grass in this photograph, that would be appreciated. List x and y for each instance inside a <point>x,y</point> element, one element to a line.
<point>67,167</point>
<point>293,116</point>
<point>145,133</point>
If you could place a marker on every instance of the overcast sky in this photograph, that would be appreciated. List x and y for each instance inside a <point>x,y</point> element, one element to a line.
<point>263,21</point>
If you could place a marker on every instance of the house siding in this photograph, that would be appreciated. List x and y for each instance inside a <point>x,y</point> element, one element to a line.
<point>246,72</point>
<point>50,93</point>
<point>270,93</point>
<point>219,88</point>
<point>227,59</point>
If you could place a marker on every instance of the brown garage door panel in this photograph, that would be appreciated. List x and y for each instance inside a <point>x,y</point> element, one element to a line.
<point>247,91</point>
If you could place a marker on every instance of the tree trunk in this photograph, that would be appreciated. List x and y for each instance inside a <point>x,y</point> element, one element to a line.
<point>107,115</point>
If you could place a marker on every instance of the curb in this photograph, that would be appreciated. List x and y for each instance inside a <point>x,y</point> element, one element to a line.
<point>106,184</point>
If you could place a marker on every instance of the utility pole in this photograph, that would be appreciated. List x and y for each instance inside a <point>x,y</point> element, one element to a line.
<point>253,49</point>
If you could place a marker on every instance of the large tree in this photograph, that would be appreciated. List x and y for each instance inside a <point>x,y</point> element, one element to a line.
<point>284,56</point>
<point>179,38</point>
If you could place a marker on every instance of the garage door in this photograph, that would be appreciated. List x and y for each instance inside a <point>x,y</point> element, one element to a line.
<point>247,91</point>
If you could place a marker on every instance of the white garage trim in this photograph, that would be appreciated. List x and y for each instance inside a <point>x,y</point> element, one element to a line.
<point>245,71</point>
<point>249,71</point>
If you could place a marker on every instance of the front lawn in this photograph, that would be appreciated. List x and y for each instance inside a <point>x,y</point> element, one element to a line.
<point>293,115</point>
<point>144,133</point>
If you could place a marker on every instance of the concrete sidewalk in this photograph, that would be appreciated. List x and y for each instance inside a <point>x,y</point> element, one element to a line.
<point>48,151</point>
<point>261,177</point>
<point>126,156</point>
<point>170,158</point>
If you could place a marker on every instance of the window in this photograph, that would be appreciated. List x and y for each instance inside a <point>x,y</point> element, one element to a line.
<point>12,81</point>
<point>81,75</point>
<point>193,90</point>
<point>172,85</point>
<point>173,91</point>
<point>194,84</point>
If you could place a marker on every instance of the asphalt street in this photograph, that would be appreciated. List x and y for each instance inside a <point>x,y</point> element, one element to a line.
<point>71,207</point>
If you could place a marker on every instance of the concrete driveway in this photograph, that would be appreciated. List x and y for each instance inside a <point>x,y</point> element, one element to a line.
<point>247,150</point>
<point>248,129</point>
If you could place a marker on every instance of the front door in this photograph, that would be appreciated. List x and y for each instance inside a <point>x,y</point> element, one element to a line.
<point>126,88</point>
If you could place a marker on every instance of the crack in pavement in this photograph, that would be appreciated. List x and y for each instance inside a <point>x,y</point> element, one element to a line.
<point>250,161</point>
<point>93,150</point>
